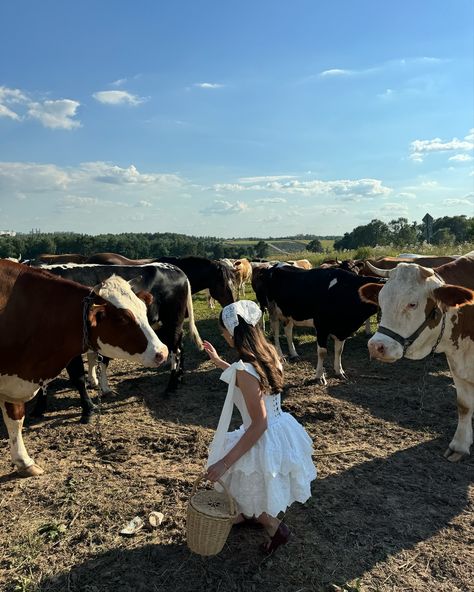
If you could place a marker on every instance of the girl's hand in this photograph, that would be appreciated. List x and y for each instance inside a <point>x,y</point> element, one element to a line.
<point>215,471</point>
<point>211,351</point>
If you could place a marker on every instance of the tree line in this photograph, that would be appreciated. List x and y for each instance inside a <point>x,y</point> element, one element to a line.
<point>132,245</point>
<point>448,230</point>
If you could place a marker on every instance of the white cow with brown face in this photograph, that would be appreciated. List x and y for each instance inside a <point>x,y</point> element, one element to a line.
<point>421,314</point>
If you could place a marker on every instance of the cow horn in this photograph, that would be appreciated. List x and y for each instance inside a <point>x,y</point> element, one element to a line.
<point>426,272</point>
<point>380,272</point>
<point>97,288</point>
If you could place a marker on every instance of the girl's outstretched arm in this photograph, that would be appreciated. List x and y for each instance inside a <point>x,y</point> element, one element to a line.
<point>250,388</point>
<point>214,356</point>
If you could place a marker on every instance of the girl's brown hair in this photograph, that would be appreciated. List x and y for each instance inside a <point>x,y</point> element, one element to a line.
<point>252,347</point>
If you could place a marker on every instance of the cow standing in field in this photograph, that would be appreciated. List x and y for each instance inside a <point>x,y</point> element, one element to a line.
<point>46,321</point>
<point>421,314</point>
<point>171,302</point>
<point>243,270</point>
<point>327,299</point>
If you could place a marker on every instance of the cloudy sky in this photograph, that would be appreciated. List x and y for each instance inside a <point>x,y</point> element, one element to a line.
<point>234,118</point>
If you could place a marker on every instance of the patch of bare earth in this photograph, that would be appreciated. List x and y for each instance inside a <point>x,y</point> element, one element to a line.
<point>388,513</point>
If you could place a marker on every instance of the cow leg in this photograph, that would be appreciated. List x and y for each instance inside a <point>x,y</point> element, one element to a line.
<point>322,344</point>
<point>338,347</point>
<point>93,381</point>
<point>175,375</point>
<point>288,328</point>
<point>275,325</point>
<point>77,375</point>
<point>210,300</point>
<point>41,403</point>
<point>13,415</point>
<point>461,443</point>
<point>92,369</point>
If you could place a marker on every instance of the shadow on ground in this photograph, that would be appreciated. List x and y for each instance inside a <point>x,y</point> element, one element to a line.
<point>354,521</point>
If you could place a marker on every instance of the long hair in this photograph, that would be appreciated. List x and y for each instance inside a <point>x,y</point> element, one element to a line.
<point>252,347</point>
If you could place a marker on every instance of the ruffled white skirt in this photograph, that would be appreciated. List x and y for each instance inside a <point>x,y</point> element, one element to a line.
<point>275,472</point>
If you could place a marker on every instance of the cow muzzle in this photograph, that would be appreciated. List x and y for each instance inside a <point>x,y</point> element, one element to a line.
<point>384,349</point>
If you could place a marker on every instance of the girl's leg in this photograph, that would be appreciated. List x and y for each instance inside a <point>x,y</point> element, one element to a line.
<point>277,530</point>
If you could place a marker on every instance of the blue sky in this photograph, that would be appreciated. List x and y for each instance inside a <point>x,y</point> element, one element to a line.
<point>234,118</point>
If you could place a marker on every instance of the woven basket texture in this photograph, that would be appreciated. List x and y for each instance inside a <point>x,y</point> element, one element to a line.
<point>210,516</point>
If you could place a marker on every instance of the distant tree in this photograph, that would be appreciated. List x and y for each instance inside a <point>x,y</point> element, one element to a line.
<point>443,236</point>
<point>315,246</point>
<point>261,249</point>
<point>403,233</point>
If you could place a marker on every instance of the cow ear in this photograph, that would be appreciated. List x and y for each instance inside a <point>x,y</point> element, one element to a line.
<point>454,295</point>
<point>96,314</point>
<point>135,283</point>
<point>145,296</point>
<point>370,293</point>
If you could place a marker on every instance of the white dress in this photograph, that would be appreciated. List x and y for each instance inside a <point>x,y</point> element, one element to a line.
<point>278,469</point>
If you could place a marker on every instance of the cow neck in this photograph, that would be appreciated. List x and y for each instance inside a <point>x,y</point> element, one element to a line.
<point>434,314</point>
<point>88,301</point>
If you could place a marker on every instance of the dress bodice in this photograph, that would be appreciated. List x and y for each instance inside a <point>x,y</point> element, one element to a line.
<point>272,402</point>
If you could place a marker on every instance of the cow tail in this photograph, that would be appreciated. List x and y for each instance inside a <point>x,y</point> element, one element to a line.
<point>192,326</point>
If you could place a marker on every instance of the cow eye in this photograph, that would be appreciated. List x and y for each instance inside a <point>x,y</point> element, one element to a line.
<point>412,305</point>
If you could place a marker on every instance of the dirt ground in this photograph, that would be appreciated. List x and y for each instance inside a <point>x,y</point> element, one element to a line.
<point>388,512</point>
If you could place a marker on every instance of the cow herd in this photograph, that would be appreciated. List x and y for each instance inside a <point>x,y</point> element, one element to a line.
<point>59,307</point>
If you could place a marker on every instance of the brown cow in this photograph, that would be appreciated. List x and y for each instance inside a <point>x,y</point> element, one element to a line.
<point>426,311</point>
<point>58,259</point>
<point>243,271</point>
<point>301,263</point>
<point>46,321</point>
<point>392,262</point>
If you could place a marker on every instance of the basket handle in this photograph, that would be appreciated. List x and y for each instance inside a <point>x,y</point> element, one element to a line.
<point>230,499</point>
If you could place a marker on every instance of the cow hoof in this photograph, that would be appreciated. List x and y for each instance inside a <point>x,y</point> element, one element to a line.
<point>321,380</point>
<point>31,471</point>
<point>453,456</point>
<point>342,376</point>
<point>294,359</point>
<point>85,419</point>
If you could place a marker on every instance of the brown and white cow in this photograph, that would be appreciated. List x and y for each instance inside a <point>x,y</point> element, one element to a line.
<point>422,314</point>
<point>243,272</point>
<point>46,321</point>
<point>301,263</point>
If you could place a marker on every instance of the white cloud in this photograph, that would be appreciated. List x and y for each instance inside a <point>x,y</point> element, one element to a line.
<point>143,204</point>
<point>461,158</point>
<point>119,82</point>
<point>395,208</point>
<point>118,97</point>
<point>406,195</point>
<point>398,64</point>
<point>459,202</point>
<point>336,72</point>
<point>6,112</point>
<point>268,200</point>
<point>343,189</point>
<point>420,148</point>
<point>55,114</point>
<point>208,85</point>
<point>224,208</point>
<point>265,179</point>
<point>105,172</point>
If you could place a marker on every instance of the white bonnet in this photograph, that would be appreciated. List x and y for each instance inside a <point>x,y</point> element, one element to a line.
<point>247,309</point>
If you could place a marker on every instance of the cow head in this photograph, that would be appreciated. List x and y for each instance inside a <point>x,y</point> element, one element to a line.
<point>413,298</point>
<point>118,325</point>
<point>223,284</point>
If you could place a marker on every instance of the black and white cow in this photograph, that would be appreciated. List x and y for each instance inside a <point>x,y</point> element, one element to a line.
<point>327,299</point>
<point>172,301</point>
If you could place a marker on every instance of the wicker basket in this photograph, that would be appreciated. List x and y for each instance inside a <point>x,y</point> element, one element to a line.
<point>210,517</point>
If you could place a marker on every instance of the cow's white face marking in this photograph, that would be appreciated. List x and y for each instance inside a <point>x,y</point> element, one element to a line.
<point>332,283</point>
<point>118,292</point>
<point>403,301</point>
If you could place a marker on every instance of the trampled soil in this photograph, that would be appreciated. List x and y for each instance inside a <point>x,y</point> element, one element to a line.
<point>388,513</point>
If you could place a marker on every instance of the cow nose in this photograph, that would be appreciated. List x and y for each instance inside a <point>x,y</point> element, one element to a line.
<point>160,358</point>
<point>377,349</point>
